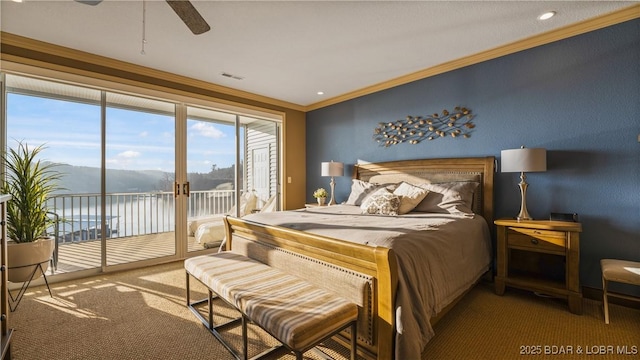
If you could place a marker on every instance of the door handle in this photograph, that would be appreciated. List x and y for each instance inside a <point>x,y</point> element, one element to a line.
<point>185,189</point>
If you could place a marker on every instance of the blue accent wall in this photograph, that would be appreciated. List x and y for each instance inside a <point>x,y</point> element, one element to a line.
<point>579,98</point>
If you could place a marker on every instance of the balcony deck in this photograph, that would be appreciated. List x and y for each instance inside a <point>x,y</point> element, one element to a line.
<point>139,226</point>
<point>85,255</point>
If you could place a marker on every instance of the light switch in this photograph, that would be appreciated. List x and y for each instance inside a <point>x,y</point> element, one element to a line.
<point>288,179</point>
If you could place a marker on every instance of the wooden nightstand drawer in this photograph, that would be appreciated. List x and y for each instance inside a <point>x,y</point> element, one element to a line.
<point>537,240</point>
<point>531,243</point>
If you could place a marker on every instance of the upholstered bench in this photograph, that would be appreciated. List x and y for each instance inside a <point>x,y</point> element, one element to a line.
<point>621,271</point>
<point>293,311</point>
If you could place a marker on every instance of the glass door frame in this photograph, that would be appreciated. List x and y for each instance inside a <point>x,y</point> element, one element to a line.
<point>181,184</point>
<point>181,101</point>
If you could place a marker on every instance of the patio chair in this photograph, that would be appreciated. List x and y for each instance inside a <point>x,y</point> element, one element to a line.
<point>211,233</point>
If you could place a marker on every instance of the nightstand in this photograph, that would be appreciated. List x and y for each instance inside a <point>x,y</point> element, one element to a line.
<point>541,256</point>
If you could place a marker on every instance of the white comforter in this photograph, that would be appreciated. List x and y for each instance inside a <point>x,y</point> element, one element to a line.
<point>439,257</point>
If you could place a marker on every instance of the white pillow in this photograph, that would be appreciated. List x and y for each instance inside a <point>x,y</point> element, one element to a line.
<point>410,196</point>
<point>449,197</point>
<point>382,202</point>
<point>360,190</point>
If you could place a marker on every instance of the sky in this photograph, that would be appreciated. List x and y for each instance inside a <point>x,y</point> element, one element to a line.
<point>135,140</point>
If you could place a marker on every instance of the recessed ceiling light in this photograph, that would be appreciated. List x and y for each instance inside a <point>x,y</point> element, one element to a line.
<point>320,93</point>
<point>17,1</point>
<point>546,16</point>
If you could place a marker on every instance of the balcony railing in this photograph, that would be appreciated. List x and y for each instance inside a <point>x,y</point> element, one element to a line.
<point>129,214</point>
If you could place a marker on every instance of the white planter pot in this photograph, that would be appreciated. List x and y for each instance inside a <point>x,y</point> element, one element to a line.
<point>22,258</point>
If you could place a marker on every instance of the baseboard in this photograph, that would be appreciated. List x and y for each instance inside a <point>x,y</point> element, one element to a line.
<point>596,294</point>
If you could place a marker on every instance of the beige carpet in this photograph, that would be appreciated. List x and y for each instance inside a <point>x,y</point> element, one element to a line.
<point>520,325</point>
<point>141,314</point>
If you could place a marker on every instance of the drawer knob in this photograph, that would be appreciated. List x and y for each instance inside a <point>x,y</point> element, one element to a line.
<point>534,241</point>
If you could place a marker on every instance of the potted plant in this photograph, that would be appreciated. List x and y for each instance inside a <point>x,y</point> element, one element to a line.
<point>30,184</point>
<point>321,195</point>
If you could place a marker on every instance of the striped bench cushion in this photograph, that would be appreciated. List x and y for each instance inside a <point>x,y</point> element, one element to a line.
<point>297,313</point>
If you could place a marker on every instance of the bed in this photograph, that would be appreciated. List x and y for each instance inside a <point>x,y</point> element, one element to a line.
<point>403,271</point>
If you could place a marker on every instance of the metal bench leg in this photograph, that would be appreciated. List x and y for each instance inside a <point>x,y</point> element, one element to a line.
<point>188,290</point>
<point>605,300</point>
<point>354,340</point>
<point>245,341</point>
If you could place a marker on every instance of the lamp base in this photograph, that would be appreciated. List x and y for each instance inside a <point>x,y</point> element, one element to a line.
<point>333,186</point>
<point>523,218</point>
<point>524,214</point>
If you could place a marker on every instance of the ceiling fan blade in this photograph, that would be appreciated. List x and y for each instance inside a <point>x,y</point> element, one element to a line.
<point>89,2</point>
<point>190,16</point>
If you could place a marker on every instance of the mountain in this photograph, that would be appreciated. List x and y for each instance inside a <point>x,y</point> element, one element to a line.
<point>85,179</point>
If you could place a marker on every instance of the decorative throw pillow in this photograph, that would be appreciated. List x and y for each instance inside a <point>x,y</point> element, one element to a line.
<point>382,202</point>
<point>450,197</point>
<point>360,190</point>
<point>410,196</point>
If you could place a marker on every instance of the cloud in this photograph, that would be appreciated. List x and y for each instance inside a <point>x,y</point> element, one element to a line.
<point>207,130</point>
<point>124,159</point>
<point>144,134</point>
<point>129,154</point>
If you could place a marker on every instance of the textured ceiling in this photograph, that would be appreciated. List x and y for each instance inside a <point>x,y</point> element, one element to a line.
<point>290,50</point>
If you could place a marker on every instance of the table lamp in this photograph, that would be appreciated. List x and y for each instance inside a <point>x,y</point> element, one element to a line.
<point>524,160</point>
<point>332,169</point>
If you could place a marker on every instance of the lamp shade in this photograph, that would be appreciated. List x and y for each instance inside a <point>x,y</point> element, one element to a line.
<point>524,160</point>
<point>332,169</point>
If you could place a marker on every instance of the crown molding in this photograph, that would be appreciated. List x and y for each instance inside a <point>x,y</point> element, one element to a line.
<point>626,14</point>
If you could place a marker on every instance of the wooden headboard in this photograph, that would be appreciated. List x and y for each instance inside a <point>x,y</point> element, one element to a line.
<point>480,169</point>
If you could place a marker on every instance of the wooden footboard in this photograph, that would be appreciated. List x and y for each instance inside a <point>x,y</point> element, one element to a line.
<point>372,265</point>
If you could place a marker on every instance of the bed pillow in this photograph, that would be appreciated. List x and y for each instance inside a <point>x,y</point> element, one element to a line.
<point>449,197</point>
<point>410,196</point>
<point>382,202</point>
<point>360,190</point>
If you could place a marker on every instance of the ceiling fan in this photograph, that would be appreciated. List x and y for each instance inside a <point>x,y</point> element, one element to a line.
<point>185,10</point>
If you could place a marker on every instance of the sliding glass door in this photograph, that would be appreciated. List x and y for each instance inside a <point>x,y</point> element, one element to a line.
<point>232,169</point>
<point>262,164</point>
<point>135,170</point>
<point>212,146</point>
<point>66,120</point>
<point>140,167</point>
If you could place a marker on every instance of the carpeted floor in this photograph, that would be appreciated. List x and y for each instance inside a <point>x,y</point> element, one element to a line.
<point>141,314</point>
<point>520,325</point>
